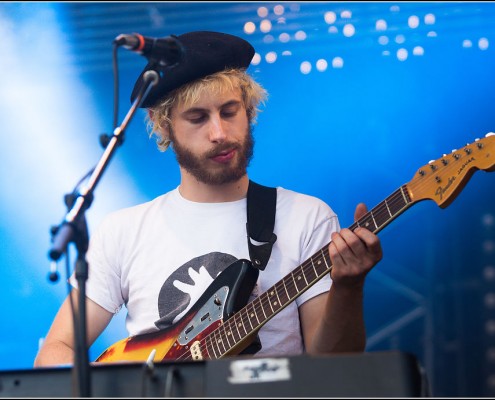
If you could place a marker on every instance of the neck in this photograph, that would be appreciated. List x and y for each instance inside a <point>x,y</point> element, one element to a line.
<point>191,189</point>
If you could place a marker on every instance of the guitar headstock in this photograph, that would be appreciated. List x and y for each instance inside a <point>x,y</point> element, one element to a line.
<point>443,179</point>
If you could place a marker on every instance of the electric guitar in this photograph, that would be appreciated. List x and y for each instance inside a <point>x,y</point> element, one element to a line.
<point>221,324</point>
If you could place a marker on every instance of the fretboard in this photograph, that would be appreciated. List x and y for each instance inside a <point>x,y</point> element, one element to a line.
<point>254,315</point>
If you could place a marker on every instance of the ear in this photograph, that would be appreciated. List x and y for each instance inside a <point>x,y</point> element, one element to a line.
<point>150,113</point>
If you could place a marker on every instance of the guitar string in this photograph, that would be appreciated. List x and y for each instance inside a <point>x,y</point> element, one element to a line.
<point>378,217</point>
<point>264,304</point>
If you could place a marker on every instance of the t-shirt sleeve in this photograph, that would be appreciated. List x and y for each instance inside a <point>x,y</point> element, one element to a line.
<point>103,283</point>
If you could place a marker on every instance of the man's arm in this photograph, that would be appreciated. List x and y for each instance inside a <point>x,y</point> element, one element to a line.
<point>58,346</point>
<point>334,322</point>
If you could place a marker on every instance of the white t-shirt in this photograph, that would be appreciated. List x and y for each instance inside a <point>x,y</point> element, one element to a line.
<point>157,258</point>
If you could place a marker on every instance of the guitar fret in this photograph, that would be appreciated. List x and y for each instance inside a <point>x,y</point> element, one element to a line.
<point>228,335</point>
<point>311,270</point>
<point>324,252</point>
<point>373,219</point>
<point>381,217</point>
<point>269,302</point>
<point>403,195</point>
<point>314,266</point>
<point>260,305</point>
<point>285,300</point>
<point>388,209</point>
<point>254,310</point>
<point>398,203</point>
<point>250,314</point>
<point>204,349</point>
<point>219,341</point>
<point>293,279</point>
<point>238,323</point>
<point>212,346</point>
<point>275,303</point>
<point>304,275</point>
<point>298,281</point>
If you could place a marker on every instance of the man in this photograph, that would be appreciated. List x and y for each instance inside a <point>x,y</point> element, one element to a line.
<point>158,258</point>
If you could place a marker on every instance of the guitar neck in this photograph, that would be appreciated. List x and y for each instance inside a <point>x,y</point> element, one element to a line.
<point>245,323</point>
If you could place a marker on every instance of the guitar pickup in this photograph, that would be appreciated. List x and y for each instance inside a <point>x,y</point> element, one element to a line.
<point>189,329</point>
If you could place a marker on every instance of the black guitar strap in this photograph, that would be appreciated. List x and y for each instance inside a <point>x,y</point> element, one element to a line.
<point>261,208</point>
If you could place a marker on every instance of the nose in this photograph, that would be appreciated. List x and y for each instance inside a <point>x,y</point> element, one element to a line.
<point>217,131</point>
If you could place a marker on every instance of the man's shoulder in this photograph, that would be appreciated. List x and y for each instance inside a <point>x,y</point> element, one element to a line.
<point>302,204</point>
<point>294,196</point>
<point>139,210</point>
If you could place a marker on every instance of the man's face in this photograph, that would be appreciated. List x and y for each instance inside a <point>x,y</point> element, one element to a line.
<point>212,139</point>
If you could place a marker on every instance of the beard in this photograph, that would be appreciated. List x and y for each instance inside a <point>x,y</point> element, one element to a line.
<point>197,165</point>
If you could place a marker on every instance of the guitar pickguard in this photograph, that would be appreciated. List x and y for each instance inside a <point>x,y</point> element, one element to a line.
<point>211,312</point>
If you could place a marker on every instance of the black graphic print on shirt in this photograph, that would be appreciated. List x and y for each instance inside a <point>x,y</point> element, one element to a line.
<point>186,285</point>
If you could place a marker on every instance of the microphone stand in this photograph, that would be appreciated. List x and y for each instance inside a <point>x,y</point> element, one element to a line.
<point>74,229</point>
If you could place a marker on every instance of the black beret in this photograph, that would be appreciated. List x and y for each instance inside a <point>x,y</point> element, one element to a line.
<point>205,53</point>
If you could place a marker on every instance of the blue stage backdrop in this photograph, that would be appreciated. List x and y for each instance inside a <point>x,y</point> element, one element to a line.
<point>361,95</point>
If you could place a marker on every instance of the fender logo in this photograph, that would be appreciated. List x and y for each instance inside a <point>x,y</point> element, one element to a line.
<point>441,190</point>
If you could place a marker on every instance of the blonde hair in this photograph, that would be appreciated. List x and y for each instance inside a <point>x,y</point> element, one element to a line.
<point>159,117</point>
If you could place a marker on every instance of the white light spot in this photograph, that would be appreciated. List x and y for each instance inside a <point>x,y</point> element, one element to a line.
<point>337,62</point>
<point>262,12</point>
<point>489,273</point>
<point>402,54</point>
<point>429,19</point>
<point>332,29</point>
<point>346,14</point>
<point>413,21</point>
<point>488,246</point>
<point>265,26</point>
<point>284,37</point>
<point>305,67</point>
<point>483,43</point>
<point>488,220</point>
<point>348,30</point>
<point>431,34</point>
<point>249,27</point>
<point>295,7</point>
<point>466,43</point>
<point>395,8</point>
<point>321,65</point>
<point>330,17</point>
<point>300,35</point>
<point>271,57</point>
<point>399,39</point>
<point>278,9</point>
<point>418,51</point>
<point>268,39</point>
<point>386,52</point>
<point>256,59</point>
<point>383,40</point>
<point>381,25</point>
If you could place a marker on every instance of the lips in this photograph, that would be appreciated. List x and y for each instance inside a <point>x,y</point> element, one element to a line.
<point>224,156</point>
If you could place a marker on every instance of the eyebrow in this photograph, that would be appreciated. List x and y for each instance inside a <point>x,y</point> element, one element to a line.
<point>200,109</point>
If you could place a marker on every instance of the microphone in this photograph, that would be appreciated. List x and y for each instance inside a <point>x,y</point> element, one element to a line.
<point>166,51</point>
